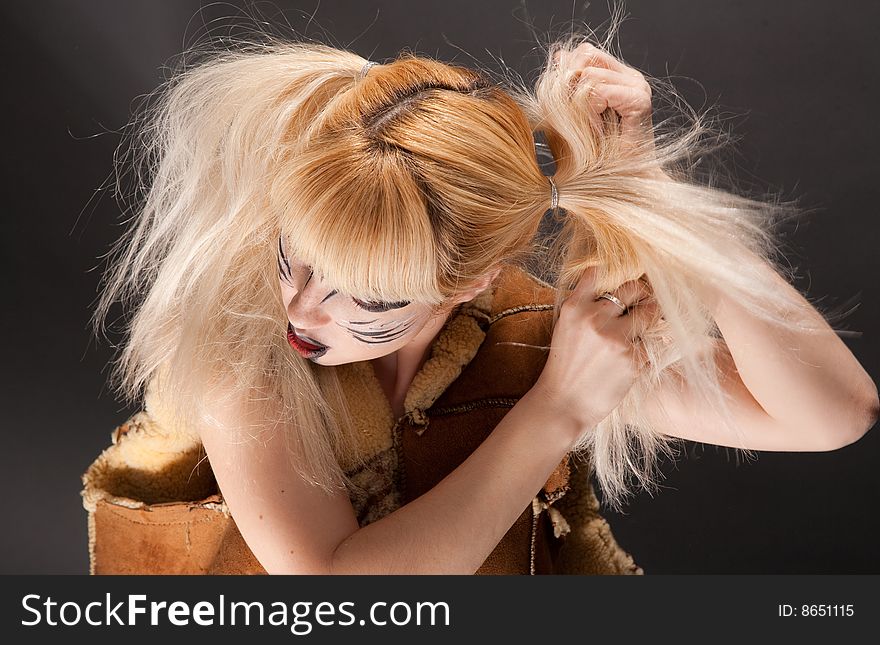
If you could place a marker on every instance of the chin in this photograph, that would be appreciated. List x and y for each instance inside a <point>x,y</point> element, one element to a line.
<point>329,361</point>
<point>336,359</point>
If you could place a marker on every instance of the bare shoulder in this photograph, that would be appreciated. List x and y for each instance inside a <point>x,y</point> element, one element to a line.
<point>289,525</point>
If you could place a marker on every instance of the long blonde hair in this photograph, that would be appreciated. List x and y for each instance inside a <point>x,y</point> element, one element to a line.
<point>407,184</point>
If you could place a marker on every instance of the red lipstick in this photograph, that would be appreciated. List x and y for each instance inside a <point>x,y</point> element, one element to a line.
<point>308,348</point>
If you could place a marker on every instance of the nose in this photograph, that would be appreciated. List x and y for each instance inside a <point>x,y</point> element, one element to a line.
<point>306,309</point>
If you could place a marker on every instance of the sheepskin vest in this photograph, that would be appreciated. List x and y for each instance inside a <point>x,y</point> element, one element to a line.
<point>154,506</point>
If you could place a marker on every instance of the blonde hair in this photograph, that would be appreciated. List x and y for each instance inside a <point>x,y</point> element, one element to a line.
<point>408,184</point>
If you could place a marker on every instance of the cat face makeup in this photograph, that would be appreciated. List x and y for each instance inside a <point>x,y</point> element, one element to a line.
<point>331,328</point>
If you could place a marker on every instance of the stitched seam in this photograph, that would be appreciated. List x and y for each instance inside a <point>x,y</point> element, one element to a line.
<point>518,309</point>
<point>472,405</point>
<point>532,543</point>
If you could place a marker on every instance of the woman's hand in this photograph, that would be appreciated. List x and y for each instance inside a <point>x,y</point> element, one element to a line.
<point>612,85</point>
<point>595,353</point>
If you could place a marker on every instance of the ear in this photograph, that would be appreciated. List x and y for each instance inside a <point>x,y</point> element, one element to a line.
<point>477,287</point>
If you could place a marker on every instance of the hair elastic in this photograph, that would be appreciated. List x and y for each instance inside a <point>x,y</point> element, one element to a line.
<point>366,68</point>
<point>554,194</point>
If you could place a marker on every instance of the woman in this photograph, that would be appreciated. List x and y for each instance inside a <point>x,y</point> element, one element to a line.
<point>331,255</point>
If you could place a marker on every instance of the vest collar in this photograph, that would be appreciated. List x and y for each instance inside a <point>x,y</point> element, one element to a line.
<point>453,348</point>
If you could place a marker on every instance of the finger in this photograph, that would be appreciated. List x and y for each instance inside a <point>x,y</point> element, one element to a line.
<point>608,312</point>
<point>643,316</point>
<point>584,289</point>
<point>641,319</point>
<point>596,81</point>
<point>631,101</point>
<point>607,76</point>
<point>597,103</point>
<point>636,321</point>
<point>640,357</point>
<point>637,350</point>
<point>592,53</point>
<point>595,89</point>
<point>645,291</point>
<point>630,292</point>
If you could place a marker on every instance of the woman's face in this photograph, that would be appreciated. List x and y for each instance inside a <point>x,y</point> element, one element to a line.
<point>331,328</point>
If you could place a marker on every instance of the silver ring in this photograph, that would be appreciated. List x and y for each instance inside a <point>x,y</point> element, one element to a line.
<point>554,194</point>
<point>617,301</point>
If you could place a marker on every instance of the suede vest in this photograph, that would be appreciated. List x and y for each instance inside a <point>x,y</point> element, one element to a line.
<point>150,510</point>
<point>433,444</point>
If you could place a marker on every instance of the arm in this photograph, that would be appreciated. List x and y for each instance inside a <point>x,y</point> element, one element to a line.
<point>678,412</point>
<point>792,392</point>
<point>292,527</point>
<point>796,391</point>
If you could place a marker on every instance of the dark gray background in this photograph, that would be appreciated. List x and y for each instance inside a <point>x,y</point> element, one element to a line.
<point>799,78</point>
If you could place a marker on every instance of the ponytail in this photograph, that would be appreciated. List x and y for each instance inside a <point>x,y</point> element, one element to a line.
<point>628,208</point>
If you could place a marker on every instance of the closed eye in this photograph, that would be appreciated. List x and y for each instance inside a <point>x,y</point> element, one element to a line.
<point>379,307</point>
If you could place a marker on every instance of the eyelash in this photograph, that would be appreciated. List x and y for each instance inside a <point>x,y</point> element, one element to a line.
<point>372,307</point>
<point>379,307</point>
